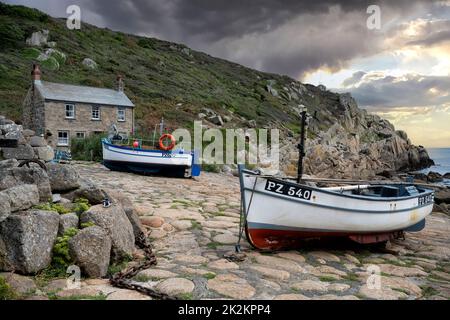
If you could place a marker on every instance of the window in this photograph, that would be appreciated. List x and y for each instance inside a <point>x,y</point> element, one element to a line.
<point>80,135</point>
<point>70,111</point>
<point>121,114</point>
<point>95,113</point>
<point>63,138</point>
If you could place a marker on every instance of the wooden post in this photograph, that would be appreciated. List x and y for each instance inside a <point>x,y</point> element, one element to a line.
<point>301,146</point>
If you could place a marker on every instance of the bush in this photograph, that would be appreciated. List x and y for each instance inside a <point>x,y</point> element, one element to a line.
<point>6,293</point>
<point>31,53</point>
<point>88,149</point>
<point>211,167</point>
<point>61,257</point>
<point>81,205</point>
<point>51,64</point>
<point>56,207</point>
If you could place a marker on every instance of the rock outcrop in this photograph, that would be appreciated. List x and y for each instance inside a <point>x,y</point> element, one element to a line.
<point>26,241</point>
<point>115,222</point>
<point>91,249</point>
<point>13,176</point>
<point>17,143</point>
<point>358,145</point>
<point>33,213</point>
<point>62,177</point>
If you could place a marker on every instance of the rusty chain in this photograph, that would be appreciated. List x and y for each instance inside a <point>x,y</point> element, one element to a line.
<point>123,279</point>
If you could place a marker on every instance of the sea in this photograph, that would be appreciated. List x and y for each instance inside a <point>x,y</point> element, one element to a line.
<point>441,157</point>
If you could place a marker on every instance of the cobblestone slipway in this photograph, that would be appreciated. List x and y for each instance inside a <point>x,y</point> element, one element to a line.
<point>193,223</point>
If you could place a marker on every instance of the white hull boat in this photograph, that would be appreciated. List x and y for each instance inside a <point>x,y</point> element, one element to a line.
<point>278,213</point>
<point>146,161</point>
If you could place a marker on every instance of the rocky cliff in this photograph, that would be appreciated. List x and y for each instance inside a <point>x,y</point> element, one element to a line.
<point>357,145</point>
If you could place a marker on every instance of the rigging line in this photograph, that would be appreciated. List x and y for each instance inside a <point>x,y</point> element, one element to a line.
<point>243,218</point>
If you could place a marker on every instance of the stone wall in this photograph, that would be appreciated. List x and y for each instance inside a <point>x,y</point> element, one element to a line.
<point>55,120</point>
<point>20,144</point>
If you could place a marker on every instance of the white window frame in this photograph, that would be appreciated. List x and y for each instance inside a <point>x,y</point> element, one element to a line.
<point>63,142</point>
<point>80,133</point>
<point>123,111</point>
<point>66,110</point>
<point>98,113</point>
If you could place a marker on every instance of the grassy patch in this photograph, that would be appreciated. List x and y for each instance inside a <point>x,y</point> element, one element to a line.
<point>117,267</point>
<point>209,275</point>
<point>81,205</point>
<point>215,168</point>
<point>61,257</point>
<point>142,278</point>
<point>213,245</point>
<point>85,225</point>
<point>195,225</point>
<point>327,279</point>
<point>401,290</point>
<point>428,291</point>
<point>78,297</point>
<point>186,296</point>
<point>55,207</point>
<point>6,292</point>
<point>351,277</point>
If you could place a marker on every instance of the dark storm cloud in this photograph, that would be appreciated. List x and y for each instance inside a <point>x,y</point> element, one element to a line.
<point>289,37</point>
<point>407,91</point>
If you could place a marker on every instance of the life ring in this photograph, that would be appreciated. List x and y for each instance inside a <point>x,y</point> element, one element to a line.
<point>162,146</point>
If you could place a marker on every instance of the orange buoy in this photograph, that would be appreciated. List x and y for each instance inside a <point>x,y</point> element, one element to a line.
<point>162,146</point>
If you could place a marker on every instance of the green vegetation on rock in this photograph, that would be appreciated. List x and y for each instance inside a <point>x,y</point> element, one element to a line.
<point>56,207</point>
<point>61,256</point>
<point>81,205</point>
<point>6,292</point>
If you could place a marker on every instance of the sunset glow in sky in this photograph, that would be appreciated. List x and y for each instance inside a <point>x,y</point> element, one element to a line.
<point>400,71</point>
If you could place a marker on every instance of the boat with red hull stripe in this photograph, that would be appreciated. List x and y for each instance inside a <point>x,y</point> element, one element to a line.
<point>279,213</point>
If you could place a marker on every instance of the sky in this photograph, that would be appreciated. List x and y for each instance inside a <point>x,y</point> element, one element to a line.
<point>400,70</point>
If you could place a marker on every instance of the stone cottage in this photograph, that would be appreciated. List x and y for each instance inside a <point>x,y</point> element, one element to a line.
<point>61,112</point>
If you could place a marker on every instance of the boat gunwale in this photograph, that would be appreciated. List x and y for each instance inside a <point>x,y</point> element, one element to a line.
<point>357,197</point>
<point>174,155</point>
<point>284,197</point>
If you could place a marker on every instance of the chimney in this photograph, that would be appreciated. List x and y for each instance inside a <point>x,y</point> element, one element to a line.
<point>36,73</point>
<point>119,84</point>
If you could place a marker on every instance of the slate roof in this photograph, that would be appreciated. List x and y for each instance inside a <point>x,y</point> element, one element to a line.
<point>82,94</point>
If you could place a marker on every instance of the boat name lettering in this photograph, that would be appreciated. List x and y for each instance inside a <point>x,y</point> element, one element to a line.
<point>423,200</point>
<point>288,190</point>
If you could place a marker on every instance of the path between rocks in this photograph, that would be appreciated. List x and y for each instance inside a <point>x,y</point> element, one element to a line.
<point>193,223</point>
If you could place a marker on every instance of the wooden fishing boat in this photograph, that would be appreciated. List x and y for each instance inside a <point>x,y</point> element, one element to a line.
<point>146,161</point>
<point>278,212</point>
<point>132,155</point>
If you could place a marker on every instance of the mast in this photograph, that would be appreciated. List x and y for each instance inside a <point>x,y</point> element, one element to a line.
<point>301,145</point>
